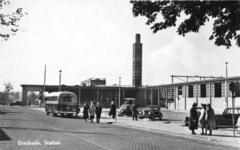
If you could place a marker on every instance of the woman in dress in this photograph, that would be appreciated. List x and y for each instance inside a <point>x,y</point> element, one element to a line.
<point>202,118</point>
<point>91,112</point>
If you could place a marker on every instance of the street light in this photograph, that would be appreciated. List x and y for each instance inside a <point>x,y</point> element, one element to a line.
<point>60,71</point>
<point>226,87</point>
<point>119,91</point>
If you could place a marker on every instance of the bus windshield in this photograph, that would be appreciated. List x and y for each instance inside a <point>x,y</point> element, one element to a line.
<point>53,98</point>
<point>67,99</point>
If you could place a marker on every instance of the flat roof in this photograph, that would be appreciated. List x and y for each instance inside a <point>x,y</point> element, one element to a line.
<point>194,82</point>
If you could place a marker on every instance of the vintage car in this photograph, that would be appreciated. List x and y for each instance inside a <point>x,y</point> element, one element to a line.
<point>186,120</point>
<point>226,118</point>
<point>125,109</point>
<point>16,103</point>
<point>151,112</point>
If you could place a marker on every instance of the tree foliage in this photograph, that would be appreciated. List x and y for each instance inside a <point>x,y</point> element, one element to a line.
<point>226,15</point>
<point>8,22</point>
<point>8,87</point>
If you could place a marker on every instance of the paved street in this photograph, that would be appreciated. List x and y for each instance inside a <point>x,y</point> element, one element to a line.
<point>21,126</point>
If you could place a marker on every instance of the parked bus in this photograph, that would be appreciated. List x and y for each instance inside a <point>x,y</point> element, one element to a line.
<point>61,103</point>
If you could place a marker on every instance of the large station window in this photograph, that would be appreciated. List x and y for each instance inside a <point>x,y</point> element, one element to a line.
<point>218,89</point>
<point>203,90</point>
<point>179,90</point>
<point>190,91</point>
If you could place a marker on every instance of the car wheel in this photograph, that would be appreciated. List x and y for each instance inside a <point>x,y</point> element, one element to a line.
<point>128,114</point>
<point>186,124</point>
<point>160,118</point>
<point>153,117</point>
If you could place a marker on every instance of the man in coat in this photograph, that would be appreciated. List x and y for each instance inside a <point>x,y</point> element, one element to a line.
<point>134,112</point>
<point>193,120</point>
<point>98,112</point>
<point>112,110</point>
<point>210,119</point>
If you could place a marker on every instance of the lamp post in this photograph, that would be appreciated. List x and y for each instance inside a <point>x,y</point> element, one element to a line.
<point>60,72</point>
<point>119,91</point>
<point>43,94</point>
<point>226,87</point>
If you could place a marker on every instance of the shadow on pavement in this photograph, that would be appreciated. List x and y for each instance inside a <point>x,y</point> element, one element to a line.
<point>4,136</point>
<point>48,130</point>
<point>5,112</point>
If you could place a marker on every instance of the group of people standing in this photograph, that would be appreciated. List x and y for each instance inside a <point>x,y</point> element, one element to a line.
<point>89,112</point>
<point>206,120</point>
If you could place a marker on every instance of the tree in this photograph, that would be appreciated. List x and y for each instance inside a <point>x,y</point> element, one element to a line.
<point>226,15</point>
<point>9,21</point>
<point>7,90</point>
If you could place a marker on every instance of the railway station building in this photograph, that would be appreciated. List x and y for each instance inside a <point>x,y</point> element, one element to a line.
<point>176,96</point>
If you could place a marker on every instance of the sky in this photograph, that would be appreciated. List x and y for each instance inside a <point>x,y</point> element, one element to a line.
<point>94,38</point>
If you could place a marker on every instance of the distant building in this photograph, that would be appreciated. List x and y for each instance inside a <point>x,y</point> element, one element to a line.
<point>137,62</point>
<point>94,81</point>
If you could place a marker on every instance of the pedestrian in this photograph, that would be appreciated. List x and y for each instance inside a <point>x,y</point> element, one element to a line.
<point>202,120</point>
<point>193,120</point>
<point>91,112</point>
<point>39,103</point>
<point>238,125</point>
<point>210,119</point>
<point>134,111</point>
<point>112,111</point>
<point>98,112</point>
<point>85,111</point>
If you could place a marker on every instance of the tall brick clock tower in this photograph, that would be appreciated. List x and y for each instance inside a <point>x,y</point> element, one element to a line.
<point>137,62</point>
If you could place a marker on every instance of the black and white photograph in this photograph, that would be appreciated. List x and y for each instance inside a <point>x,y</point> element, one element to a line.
<point>119,75</point>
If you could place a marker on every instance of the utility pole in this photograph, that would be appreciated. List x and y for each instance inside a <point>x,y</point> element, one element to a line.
<point>226,87</point>
<point>43,94</point>
<point>60,71</point>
